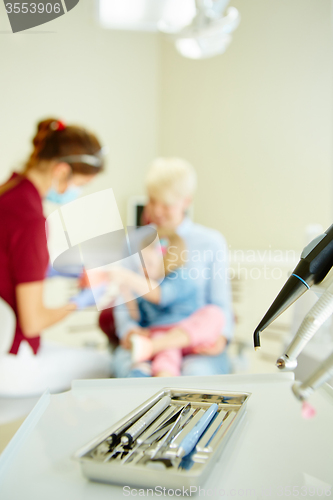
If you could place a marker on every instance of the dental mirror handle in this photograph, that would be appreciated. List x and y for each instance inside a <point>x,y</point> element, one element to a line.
<point>191,439</point>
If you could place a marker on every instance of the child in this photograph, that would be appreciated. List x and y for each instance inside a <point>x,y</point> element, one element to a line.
<point>168,315</point>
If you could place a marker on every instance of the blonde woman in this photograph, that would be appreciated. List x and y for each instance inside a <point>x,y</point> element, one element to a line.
<point>171,185</point>
<point>172,323</point>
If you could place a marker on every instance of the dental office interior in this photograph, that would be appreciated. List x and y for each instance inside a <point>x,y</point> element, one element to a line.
<point>238,93</point>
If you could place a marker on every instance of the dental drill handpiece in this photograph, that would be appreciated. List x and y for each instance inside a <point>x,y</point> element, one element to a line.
<point>315,318</point>
<point>324,373</point>
<point>316,261</point>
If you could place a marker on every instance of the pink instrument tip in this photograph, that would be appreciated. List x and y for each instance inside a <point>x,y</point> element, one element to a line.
<point>308,411</point>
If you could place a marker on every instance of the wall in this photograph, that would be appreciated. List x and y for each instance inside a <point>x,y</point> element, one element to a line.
<point>257,123</point>
<point>72,69</point>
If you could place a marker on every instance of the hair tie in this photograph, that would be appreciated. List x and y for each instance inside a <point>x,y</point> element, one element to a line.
<point>164,242</point>
<point>58,125</point>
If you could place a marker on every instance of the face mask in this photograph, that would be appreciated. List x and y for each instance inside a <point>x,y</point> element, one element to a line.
<point>69,195</point>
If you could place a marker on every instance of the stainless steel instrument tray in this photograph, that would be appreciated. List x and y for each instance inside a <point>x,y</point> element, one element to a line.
<point>144,472</point>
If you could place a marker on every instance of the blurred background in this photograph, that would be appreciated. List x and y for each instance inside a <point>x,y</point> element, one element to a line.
<point>255,121</point>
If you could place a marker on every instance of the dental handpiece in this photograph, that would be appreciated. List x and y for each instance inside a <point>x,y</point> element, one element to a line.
<point>303,390</point>
<point>315,318</point>
<point>133,432</point>
<point>316,261</point>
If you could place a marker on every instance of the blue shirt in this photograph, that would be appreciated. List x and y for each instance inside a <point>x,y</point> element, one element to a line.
<point>179,299</point>
<point>207,265</point>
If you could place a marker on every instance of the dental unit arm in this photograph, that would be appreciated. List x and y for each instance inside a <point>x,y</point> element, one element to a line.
<point>315,263</point>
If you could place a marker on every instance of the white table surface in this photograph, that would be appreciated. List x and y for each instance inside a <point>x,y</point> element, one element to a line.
<point>273,447</point>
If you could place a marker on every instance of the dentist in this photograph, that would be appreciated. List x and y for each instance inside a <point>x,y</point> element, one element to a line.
<point>63,159</point>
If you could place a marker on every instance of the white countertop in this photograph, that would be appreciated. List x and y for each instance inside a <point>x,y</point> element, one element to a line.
<point>273,447</point>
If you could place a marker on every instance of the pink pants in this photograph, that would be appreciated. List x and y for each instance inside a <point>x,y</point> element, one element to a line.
<point>203,327</point>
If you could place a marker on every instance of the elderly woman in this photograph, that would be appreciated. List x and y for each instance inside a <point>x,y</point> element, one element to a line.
<point>171,185</point>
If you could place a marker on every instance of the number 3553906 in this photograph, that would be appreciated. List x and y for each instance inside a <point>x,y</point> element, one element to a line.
<point>32,8</point>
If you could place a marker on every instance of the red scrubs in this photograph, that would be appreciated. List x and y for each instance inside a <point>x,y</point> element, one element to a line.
<point>23,248</point>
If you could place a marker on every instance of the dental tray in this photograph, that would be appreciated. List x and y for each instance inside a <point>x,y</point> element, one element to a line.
<point>107,459</point>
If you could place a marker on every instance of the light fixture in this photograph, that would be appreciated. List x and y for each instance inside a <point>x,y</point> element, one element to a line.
<point>176,15</point>
<point>132,15</point>
<point>202,46</point>
<point>199,28</point>
<point>209,34</point>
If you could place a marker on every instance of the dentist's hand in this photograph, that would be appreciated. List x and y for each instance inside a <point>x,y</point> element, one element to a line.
<point>88,296</point>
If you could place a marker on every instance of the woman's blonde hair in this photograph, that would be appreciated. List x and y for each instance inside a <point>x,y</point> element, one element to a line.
<point>173,248</point>
<point>171,179</point>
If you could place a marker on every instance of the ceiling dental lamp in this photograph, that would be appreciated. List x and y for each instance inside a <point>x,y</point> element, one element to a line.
<point>198,28</point>
<point>209,31</point>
